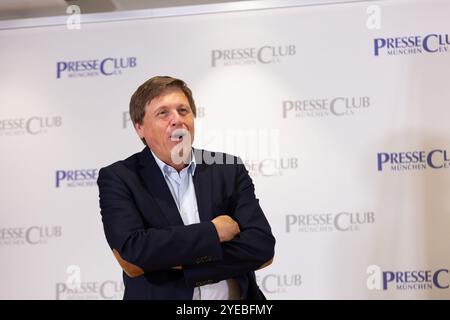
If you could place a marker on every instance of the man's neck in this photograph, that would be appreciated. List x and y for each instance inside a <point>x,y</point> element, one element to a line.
<point>178,167</point>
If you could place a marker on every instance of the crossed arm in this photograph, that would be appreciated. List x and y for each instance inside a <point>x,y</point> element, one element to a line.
<point>227,246</point>
<point>226,228</point>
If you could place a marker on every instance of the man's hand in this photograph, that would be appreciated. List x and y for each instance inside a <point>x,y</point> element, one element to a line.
<point>130,269</point>
<point>226,227</point>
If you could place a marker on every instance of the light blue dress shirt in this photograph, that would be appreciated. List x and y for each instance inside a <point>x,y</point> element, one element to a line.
<point>181,186</point>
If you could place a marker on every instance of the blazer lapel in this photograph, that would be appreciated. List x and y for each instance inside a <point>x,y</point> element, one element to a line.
<point>203,187</point>
<point>157,186</point>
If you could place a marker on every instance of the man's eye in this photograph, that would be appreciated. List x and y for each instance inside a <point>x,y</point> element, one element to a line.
<point>163,112</point>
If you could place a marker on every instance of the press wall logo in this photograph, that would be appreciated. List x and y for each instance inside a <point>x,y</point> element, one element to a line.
<point>413,160</point>
<point>95,67</point>
<point>325,107</point>
<point>421,44</point>
<point>279,283</point>
<point>34,235</point>
<point>253,55</point>
<point>270,167</point>
<point>95,290</point>
<point>33,125</point>
<point>329,222</point>
<point>76,178</point>
<point>407,280</point>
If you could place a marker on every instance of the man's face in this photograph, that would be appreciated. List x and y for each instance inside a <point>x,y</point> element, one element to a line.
<point>166,118</point>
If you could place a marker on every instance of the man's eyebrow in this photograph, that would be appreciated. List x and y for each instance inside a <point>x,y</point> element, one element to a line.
<point>166,107</point>
<point>161,107</point>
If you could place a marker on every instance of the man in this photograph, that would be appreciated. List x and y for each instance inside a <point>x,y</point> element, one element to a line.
<point>180,225</point>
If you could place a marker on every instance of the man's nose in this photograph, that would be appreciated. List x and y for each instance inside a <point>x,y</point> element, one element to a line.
<point>175,118</point>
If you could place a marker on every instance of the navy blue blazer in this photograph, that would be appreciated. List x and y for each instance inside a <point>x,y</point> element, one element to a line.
<point>142,224</point>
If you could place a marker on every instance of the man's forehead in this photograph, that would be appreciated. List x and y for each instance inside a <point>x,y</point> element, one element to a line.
<point>164,95</point>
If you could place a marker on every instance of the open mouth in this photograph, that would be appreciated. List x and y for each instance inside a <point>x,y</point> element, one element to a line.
<point>178,135</point>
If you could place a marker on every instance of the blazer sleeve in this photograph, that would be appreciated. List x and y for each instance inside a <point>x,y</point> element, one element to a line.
<point>151,249</point>
<point>253,247</point>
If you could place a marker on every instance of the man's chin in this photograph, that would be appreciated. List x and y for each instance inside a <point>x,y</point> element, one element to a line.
<point>180,152</point>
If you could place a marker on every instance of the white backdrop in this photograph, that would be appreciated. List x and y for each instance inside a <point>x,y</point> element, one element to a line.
<point>349,150</point>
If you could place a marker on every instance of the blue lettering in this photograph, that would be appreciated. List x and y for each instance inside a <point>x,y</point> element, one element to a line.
<point>404,155</point>
<point>413,275</point>
<point>387,279</point>
<point>102,67</point>
<point>79,175</point>
<point>442,42</point>
<point>418,41</point>
<point>428,275</point>
<point>60,175</point>
<point>430,159</point>
<point>382,158</point>
<point>405,41</point>
<point>425,42</point>
<point>390,43</point>
<point>436,279</point>
<point>378,44</point>
<point>132,62</point>
<point>420,276</point>
<point>60,66</point>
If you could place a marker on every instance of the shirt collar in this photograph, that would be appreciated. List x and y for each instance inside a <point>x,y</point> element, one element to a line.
<point>165,168</point>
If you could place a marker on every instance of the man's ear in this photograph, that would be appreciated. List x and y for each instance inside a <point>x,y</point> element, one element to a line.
<point>139,129</point>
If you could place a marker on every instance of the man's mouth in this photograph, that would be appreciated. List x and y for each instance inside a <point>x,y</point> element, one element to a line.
<point>178,134</point>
